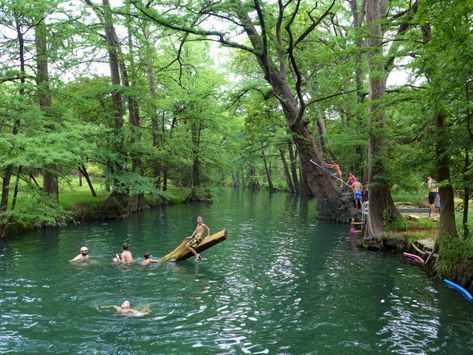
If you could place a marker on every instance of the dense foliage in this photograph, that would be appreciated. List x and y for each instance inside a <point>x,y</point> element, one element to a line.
<point>177,109</point>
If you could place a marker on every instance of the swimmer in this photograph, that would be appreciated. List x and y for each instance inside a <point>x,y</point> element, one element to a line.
<point>83,256</point>
<point>148,259</point>
<point>124,257</point>
<point>127,309</point>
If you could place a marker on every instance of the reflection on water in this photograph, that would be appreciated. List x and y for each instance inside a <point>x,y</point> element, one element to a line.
<point>282,283</point>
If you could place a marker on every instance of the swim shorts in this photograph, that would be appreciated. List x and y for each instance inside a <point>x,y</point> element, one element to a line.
<point>432,196</point>
<point>194,242</point>
<point>357,195</point>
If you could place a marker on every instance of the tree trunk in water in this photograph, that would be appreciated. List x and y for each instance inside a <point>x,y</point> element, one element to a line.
<point>305,188</point>
<point>50,183</point>
<point>6,226</point>
<point>330,203</point>
<point>293,162</point>
<point>253,183</point>
<point>290,183</point>
<point>381,207</point>
<point>5,189</point>
<point>267,170</point>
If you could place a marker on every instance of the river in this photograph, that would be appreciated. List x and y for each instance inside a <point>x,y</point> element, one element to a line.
<point>283,283</point>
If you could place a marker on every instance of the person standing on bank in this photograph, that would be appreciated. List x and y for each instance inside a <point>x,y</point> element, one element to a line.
<point>433,190</point>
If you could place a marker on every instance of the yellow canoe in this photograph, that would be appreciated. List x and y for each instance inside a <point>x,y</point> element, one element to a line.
<point>181,252</point>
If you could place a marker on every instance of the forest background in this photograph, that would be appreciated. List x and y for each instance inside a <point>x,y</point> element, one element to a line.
<point>107,107</point>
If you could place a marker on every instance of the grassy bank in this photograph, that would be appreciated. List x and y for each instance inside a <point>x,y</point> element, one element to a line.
<point>35,209</point>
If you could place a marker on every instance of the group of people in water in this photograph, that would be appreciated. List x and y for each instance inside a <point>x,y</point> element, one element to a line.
<point>126,257</point>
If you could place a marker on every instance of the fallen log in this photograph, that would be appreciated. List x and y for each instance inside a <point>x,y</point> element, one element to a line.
<point>182,253</point>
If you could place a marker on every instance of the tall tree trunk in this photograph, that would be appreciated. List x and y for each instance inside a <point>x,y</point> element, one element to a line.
<point>9,169</point>
<point>358,19</point>
<point>267,170</point>
<point>118,142</point>
<point>330,202</point>
<point>466,195</point>
<point>447,207</point>
<point>253,183</point>
<point>153,88</point>
<point>305,188</point>
<point>290,183</point>
<point>381,209</point>
<point>196,129</point>
<point>50,182</point>
<point>5,188</point>
<point>322,137</point>
<point>83,171</point>
<point>165,177</point>
<point>293,163</point>
<point>6,226</point>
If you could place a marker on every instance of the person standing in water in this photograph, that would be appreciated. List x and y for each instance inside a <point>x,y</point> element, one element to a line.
<point>125,257</point>
<point>196,237</point>
<point>83,256</point>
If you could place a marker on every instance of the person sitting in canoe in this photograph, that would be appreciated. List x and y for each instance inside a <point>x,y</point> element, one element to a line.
<point>196,237</point>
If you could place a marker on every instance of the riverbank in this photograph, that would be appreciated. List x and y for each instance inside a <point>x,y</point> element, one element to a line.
<point>417,235</point>
<point>78,205</point>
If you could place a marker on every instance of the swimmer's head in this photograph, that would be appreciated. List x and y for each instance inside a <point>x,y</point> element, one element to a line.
<point>126,304</point>
<point>84,250</point>
<point>148,256</point>
<point>200,220</point>
<point>125,246</point>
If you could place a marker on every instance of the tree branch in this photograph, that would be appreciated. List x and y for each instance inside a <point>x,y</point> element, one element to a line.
<point>150,14</point>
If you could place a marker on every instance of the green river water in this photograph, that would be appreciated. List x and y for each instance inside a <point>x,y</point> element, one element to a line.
<point>283,283</point>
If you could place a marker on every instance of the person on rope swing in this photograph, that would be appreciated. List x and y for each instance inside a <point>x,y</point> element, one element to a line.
<point>336,167</point>
<point>196,237</point>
